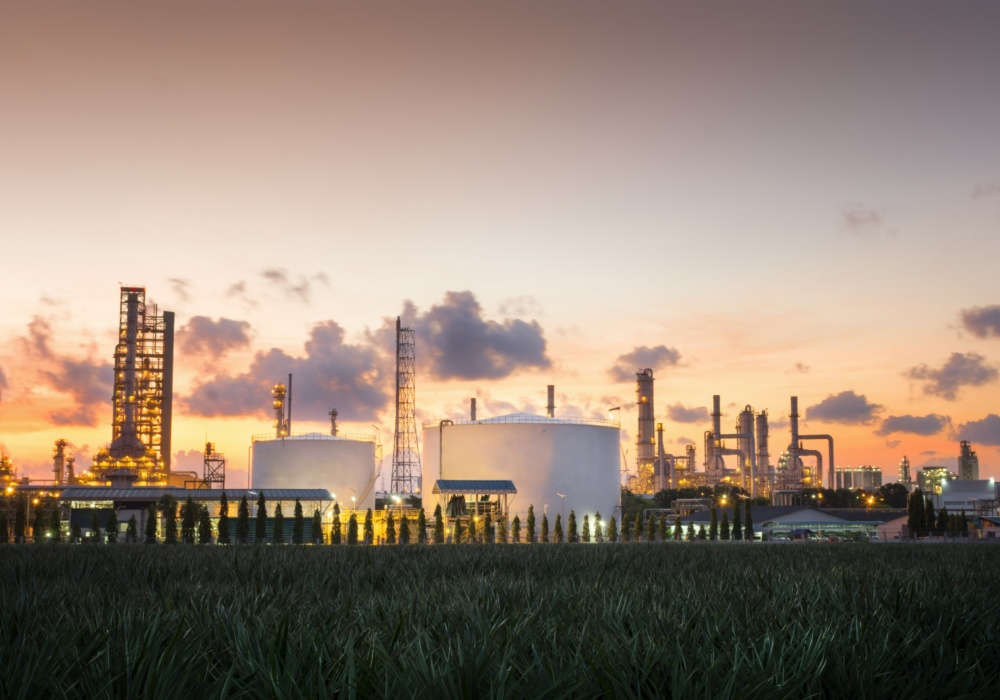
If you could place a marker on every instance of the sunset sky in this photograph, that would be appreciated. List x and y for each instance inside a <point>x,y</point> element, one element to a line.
<point>757,200</point>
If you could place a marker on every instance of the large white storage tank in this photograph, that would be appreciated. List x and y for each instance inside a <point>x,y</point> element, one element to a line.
<point>345,465</point>
<point>543,456</point>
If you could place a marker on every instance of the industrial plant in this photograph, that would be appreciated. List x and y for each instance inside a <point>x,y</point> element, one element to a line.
<point>493,467</point>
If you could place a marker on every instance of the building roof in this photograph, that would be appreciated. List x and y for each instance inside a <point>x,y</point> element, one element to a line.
<point>526,418</point>
<point>476,486</point>
<point>766,516</point>
<point>152,493</point>
<point>884,515</point>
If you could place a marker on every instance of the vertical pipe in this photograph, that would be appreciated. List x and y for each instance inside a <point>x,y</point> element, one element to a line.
<point>659,457</point>
<point>472,410</point>
<point>288,406</point>
<point>793,448</point>
<point>763,458</point>
<point>167,410</point>
<point>550,409</point>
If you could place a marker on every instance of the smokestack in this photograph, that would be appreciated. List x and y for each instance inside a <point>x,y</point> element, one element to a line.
<point>472,410</point>
<point>716,416</point>
<point>167,411</point>
<point>550,410</point>
<point>333,422</point>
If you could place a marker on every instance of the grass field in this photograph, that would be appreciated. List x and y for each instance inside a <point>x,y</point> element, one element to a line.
<point>672,620</point>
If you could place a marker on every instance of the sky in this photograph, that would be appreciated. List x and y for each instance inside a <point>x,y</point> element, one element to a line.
<point>756,200</point>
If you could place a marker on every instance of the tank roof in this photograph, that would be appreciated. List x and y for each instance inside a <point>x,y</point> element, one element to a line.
<point>529,418</point>
<point>343,437</point>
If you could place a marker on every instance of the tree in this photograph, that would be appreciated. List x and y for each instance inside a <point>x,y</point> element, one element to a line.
<point>95,527</point>
<point>4,528</point>
<point>132,530</point>
<point>748,524</point>
<point>404,529</point>
<point>459,532</point>
<point>260,529</point>
<point>724,531</point>
<point>530,522</point>
<point>21,519</point>
<point>473,534</point>
<point>737,533</point>
<point>223,519</point>
<point>75,533</point>
<point>663,533</point>
<point>278,525</point>
<point>942,522</point>
<point>651,528</point>
<point>626,529</point>
<point>585,534</point>
<point>963,525</point>
<point>488,528</point>
<point>112,527</point>
<point>188,521</point>
<point>677,528</point>
<point>335,530</point>
<point>545,528</point>
<point>502,531</point>
<point>316,528</point>
<point>701,532</point>
<point>369,528</point>
<point>690,532</point>
<point>598,530</point>
<point>612,530</point>
<point>713,526</point>
<point>298,524</point>
<point>204,525</point>
<point>243,521</point>
<point>422,527</point>
<point>572,535</point>
<point>390,529</point>
<point>55,526</point>
<point>637,525</point>
<point>929,515</point>
<point>352,529</point>
<point>557,531</point>
<point>515,529</point>
<point>438,525</point>
<point>38,526</point>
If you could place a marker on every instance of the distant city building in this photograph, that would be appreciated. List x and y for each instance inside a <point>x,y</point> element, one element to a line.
<point>904,474</point>
<point>866,477</point>
<point>968,463</point>
<point>931,478</point>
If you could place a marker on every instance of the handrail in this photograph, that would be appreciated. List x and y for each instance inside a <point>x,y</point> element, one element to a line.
<point>533,420</point>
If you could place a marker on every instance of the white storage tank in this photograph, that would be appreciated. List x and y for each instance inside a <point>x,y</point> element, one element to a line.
<point>543,456</point>
<point>345,465</point>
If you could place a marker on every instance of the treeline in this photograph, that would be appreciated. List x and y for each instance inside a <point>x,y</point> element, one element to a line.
<point>923,521</point>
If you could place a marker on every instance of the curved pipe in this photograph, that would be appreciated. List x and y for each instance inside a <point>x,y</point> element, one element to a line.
<point>722,451</point>
<point>743,460</point>
<point>819,460</point>
<point>829,439</point>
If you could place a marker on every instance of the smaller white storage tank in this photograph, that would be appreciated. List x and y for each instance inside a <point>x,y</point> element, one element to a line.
<point>343,464</point>
<point>543,456</point>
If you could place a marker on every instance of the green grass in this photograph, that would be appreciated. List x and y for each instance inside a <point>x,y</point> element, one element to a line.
<point>688,620</point>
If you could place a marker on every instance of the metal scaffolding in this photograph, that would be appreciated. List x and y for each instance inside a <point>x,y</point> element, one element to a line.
<point>405,452</point>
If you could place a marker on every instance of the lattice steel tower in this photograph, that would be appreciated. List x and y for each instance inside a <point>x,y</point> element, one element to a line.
<point>405,451</point>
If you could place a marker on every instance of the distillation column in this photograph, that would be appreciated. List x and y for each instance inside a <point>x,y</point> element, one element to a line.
<point>645,441</point>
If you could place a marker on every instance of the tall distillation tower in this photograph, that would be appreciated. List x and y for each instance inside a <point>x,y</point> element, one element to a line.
<point>143,393</point>
<point>645,441</point>
<point>968,462</point>
<point>405,451</point>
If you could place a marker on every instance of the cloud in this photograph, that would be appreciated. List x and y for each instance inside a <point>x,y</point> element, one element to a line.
<point>929,453</point>
<point>931,424</point>
<point>981,432</point>
<point>682,414</point>
<point>280,278</point>
<point>203,335</point>
<point>357,379</point>
<point>3,379</point>
<point>685,441</point>
<point>188,461</point>
<point>961,369</point>
<point>893,444</point>
<point>89,382</point>
<point>800,368</point>
<point>181,287</point>
<point>982,191</point>
<point>858,219</point>
<point>982,321</point>
<point>846,407</point>
<point>643,357</point>
<point>458,343</point>
<point>521,306</point>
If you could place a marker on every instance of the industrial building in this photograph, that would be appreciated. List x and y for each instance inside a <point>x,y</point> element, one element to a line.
<point>931,478</point>
<point>867,477</point>
<point>968,462</point>
<point>803,522</point>
<point>555,464</point>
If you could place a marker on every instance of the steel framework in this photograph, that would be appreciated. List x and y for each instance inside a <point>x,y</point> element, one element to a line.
<point>405,452</point>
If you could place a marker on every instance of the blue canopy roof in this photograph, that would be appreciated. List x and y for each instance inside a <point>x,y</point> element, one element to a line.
<point>476,486</point>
